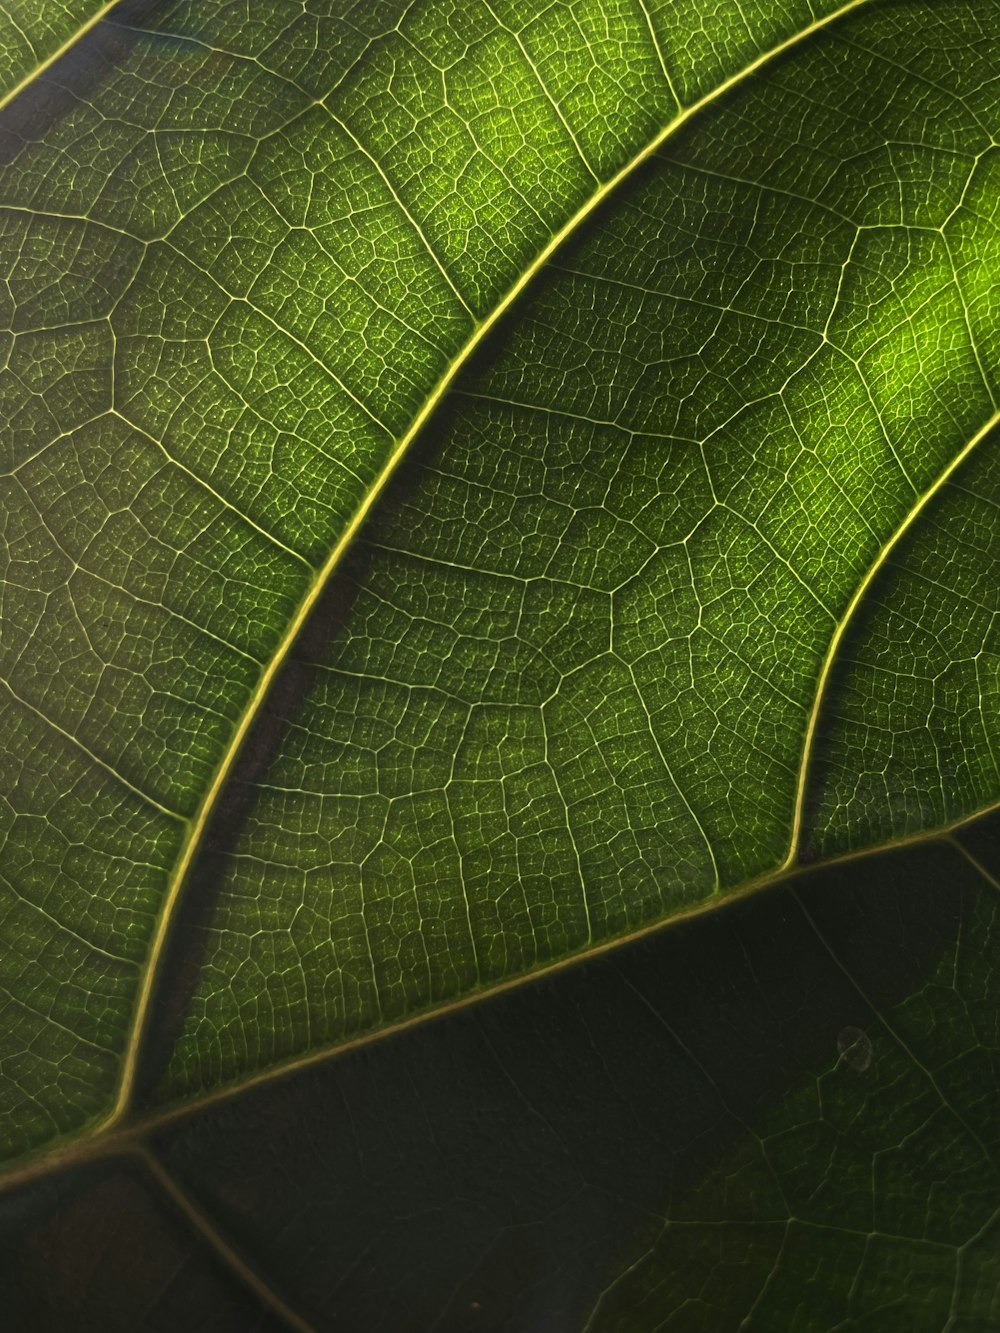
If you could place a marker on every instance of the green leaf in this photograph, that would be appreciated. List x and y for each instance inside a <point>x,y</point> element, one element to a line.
<point>728,470</point>
<point>36,33</point>
<point>781,1116</point>
<point>682,322</point>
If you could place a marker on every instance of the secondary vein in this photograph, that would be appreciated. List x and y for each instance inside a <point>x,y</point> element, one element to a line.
<point>860,592</point>
<point>206,809</point>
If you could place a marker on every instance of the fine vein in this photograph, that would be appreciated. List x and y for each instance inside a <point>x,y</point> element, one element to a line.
<point>103,1140</point>
<point>833,647</point>
<point>206,809</point>
<point>57,55</point>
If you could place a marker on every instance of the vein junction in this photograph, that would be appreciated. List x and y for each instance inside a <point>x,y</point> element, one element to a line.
<point>579,649</point>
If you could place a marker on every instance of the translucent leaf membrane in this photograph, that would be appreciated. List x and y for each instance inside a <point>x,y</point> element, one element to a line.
<point>690,578</point>
<point>695,570</point>
<point>34,32</point>
<point>244,250</point>
<point>104,1249</point>
<point>782,1116</point>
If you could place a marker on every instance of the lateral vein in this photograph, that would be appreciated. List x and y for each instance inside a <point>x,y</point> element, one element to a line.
<point>833,647</point>
<point>101,1140</point>
<point>56,55</point>
<point>198,1220</point>
<point>479,332</point>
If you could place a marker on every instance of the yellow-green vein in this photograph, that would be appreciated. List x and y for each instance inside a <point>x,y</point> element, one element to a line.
<point>207,806</point>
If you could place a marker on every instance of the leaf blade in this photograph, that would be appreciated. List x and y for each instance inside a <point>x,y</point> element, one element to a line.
<point>132,324</point>
<point>505,708</point>
<point>37,36</point>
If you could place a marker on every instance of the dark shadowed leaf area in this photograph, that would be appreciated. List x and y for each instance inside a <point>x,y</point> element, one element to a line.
<point>499,666</point>
<point>780,1116</point>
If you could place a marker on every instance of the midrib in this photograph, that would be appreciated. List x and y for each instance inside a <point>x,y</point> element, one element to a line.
<point>102,1139</point>
<point>201,820</point>
<point>57,54</point>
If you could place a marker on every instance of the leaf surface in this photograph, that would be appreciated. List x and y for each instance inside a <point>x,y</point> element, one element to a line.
<point>687,577</point>
<point>781,1116</point>
<point>35,34</point>
<point>479,483</point>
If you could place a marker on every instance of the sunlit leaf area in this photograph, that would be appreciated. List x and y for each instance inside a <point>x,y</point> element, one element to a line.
<point>500,666</point>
